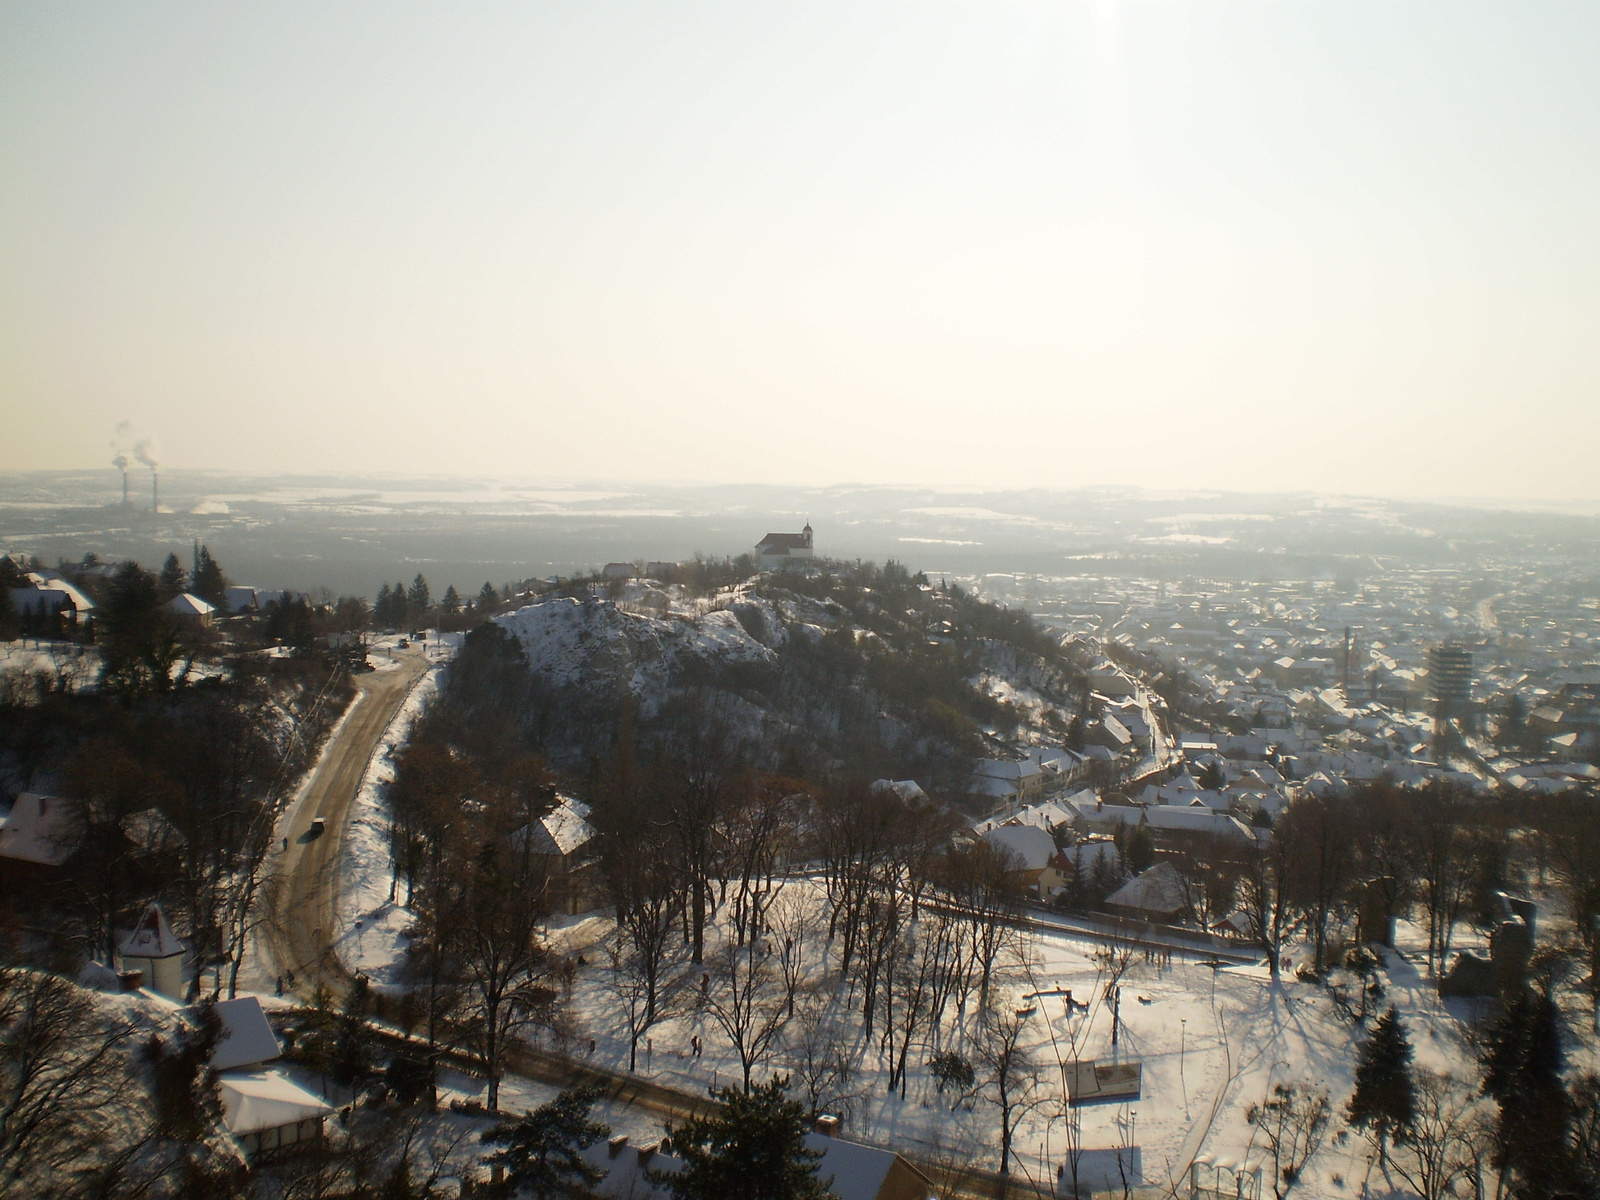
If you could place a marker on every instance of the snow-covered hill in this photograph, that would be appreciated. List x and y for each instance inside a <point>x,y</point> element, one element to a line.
<point>589,643</point>
<point>866,668</point>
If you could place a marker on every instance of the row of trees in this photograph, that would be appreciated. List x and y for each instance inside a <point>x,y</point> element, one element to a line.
<point>1438,854</point>
<point>402,607</point>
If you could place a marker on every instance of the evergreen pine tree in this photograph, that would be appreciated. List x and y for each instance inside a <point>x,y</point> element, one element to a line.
<point>383,605</point>
<point>1384,1102</point>
<point>8,611</point>
<point>754,1149</point>
<point>1522,1071</point>
<point>543,1149</point>
<point>451,604</point>
<point>209,582</point>
<point>173,579</point>
<point>399,613</point>
<point>487,596</point>
<point>352,1050</point>
<point>418,600</point>
<point>1141,850</point>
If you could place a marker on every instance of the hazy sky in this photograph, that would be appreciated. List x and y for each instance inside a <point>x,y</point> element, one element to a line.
<point>1351,247</point>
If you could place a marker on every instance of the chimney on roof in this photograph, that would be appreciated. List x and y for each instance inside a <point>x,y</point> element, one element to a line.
<point>828,1125</point>
<point>615,1145</point>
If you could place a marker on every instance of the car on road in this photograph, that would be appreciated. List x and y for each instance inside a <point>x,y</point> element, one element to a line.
<point>319,826</point>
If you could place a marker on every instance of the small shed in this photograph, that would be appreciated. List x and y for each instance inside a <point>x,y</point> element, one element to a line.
<point>152,947</point>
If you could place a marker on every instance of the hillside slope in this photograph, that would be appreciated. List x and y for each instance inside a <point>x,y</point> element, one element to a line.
<point>854,668</point>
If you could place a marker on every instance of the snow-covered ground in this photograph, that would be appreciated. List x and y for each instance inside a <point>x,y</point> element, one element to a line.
<point>1211,1042</point>
<point>31,657</point>
<point>569,641</point>
<point>369,927</point>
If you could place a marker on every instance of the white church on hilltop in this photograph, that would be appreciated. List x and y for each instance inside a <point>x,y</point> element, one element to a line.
<point>779,550</point>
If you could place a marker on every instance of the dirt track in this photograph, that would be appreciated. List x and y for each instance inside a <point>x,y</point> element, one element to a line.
<point>301,937</point>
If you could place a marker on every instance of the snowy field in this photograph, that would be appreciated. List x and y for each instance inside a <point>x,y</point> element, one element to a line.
<point>1211,1042</point>
<point>31,657</point>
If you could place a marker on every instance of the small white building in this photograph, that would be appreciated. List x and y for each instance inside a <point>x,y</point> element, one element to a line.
<point>152,947</point>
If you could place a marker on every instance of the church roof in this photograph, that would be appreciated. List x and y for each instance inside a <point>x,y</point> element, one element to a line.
<point>782,541</point>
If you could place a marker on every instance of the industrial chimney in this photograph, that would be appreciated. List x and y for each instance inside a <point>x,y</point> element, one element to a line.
<point>155,491</point>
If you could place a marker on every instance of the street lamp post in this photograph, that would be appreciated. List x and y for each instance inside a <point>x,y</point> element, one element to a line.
<point>1183,1040</point>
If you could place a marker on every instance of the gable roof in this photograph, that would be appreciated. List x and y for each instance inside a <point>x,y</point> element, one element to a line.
<point>774,543</point>
<point>1032,845</point>
<point>152,937</point>
<point>246,1038</point>
<point>39,829</point>
<point>563,830</point>
<point>260,1100</point>
<point>187,604</point>
<point>1158,890</point>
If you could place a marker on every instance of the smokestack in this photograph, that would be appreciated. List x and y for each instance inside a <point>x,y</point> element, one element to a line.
<point>121,462</point>
<point>145,451</point>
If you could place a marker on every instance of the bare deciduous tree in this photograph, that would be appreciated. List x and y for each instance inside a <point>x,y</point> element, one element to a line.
<point>1292,1120</point>
<point>1435,1150</point>
<point>1009,1073</point>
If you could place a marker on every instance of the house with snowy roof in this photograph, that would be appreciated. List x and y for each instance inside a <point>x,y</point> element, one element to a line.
<point>561,842</point>
<point>268,1113</point>
<point>1032,855</point>
<point>1006,782</point>
<point>1157,894</point>
<point>39,829</point>
<point>264,1110</point>
<point>908,790</point>
<point>189,609</point>
<point>779,550</point>
<point>43,595</point>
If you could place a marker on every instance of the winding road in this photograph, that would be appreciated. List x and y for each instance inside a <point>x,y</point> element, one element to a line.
<point>300,935</point>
